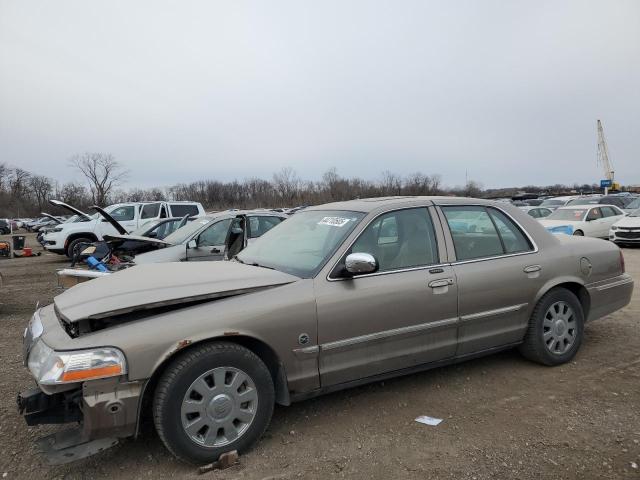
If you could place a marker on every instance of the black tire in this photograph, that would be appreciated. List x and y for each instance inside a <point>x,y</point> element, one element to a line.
<point>177,379</point>
<point>534,347</point>
<point>74,244</point>
<point>578,233</point>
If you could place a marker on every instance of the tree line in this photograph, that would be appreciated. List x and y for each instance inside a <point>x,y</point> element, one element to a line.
<point>26,194</point>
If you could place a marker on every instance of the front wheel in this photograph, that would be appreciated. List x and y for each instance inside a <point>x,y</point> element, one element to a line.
<point>213,399</point>
<point>555,329</point>
<point>579,233</point>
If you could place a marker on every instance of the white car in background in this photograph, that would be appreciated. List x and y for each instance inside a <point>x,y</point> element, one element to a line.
<point>557,202</point>
<point>626,231</point>
<point>584,220</point>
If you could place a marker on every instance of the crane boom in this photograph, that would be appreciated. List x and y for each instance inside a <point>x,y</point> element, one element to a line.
<point>603,154</point>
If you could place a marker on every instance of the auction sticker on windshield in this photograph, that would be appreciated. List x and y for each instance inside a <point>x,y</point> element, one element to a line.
<point>334,221</point>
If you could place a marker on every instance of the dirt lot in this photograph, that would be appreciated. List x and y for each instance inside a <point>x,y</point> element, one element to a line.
<point>503,416</point>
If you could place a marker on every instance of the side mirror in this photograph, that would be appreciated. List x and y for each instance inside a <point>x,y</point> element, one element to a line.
<point>358,263</point>
<point>236,231</point>
<point>192,244</point>
<point>152,235</point>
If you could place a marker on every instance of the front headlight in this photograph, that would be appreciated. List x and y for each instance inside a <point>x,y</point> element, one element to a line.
<point>52,368</point>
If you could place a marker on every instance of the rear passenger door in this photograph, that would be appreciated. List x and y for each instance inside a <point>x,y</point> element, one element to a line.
<point>498,272</point>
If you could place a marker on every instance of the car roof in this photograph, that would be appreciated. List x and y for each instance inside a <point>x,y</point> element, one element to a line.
<point>367,205</point>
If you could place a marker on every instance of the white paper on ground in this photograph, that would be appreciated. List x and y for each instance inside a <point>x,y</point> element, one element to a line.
<point>428,420</point>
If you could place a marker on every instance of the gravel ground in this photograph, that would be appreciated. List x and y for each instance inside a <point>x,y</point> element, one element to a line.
<point>503,416</point>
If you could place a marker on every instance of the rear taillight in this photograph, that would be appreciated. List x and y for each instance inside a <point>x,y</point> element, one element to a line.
<point>622,262</point>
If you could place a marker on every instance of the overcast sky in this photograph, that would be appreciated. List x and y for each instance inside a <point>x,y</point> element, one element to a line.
<point>509,91</point>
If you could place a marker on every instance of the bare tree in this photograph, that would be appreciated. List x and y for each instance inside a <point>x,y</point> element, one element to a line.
<point>41,187</point>
<point>286,182</point>
<point>103,173</point>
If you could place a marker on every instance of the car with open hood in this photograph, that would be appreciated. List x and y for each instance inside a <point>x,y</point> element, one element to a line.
<point>65,239</point>
<point>338,295</point>
<point>218,236</point>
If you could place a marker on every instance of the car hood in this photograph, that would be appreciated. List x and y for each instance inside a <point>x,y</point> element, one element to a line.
<point>119,228</point>
<point>118,239</point>
<point>58,203</point>
<point>628,222</point>
<point>148,287</point>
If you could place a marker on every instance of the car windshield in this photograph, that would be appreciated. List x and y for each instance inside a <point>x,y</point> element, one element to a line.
<point>575,214</point>
<point>185,233</point>
<point>551,202</point>
<point>302,244</point>
<point>634,205</point>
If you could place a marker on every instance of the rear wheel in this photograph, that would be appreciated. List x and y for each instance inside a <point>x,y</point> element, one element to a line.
<point>579,233</point>
<point>555,328</point>
<point>213,399</point>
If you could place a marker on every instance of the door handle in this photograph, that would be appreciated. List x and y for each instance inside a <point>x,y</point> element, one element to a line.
<point>443,282</point>
<point>215,250</point>
<point>532,268</point>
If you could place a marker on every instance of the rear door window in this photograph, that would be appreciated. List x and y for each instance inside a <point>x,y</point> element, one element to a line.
<point>182,209</point>
<point>513,240</point>
<point>594,214</point>
<point>480,232</point>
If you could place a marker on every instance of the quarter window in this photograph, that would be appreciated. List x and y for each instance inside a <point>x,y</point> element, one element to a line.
<point>181,209</point>
<point>400,239</point>
<point>480,232</point>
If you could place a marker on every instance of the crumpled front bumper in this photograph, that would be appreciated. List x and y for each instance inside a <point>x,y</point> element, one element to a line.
<point>105,410</point>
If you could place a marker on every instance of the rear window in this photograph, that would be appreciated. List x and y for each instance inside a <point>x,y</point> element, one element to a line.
<point>180,210</point>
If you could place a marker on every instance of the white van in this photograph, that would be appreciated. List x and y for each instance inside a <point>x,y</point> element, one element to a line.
<point>131,215</point>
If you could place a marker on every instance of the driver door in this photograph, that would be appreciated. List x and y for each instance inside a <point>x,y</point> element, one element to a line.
<point>210,243</point>
<point>401,316</point>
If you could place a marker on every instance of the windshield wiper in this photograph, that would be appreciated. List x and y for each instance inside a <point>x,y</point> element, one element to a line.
<point>256,264</point>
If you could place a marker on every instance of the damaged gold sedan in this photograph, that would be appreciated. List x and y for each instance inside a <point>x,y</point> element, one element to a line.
<point>336,296</point>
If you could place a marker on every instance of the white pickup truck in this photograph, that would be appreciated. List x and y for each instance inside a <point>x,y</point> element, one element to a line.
<point>131,215</point>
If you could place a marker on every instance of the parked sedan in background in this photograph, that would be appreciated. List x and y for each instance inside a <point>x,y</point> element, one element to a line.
<point>556,202</point>
<point>626,231</point>
<point>620,201</point>
<point>336,296</point>
<point>585,220</point>
<point>4,227</point>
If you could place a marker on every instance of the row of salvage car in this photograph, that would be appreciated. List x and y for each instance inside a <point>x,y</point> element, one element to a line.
<point>336,296</point>
<point>194,237</point>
